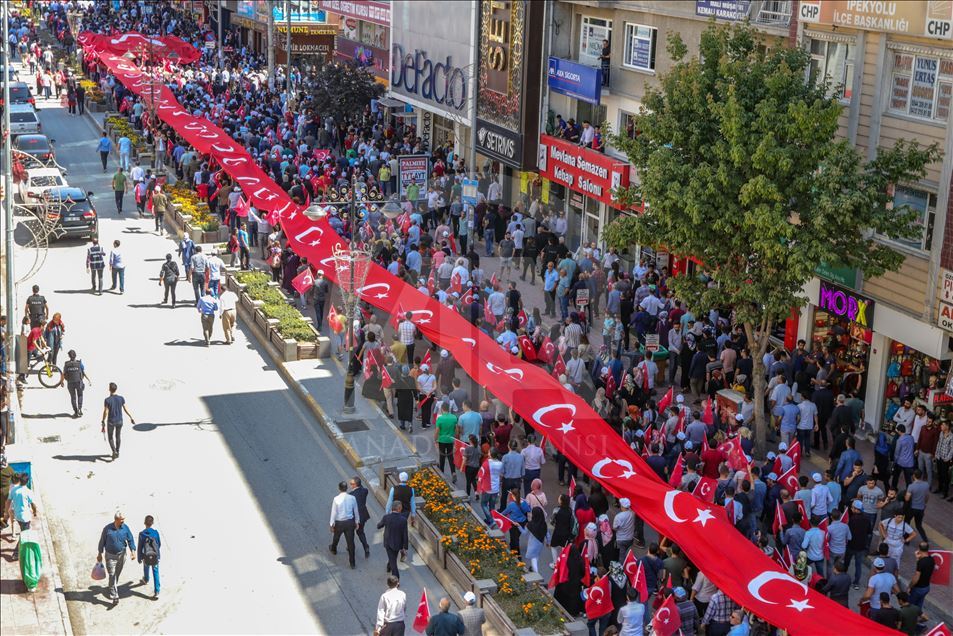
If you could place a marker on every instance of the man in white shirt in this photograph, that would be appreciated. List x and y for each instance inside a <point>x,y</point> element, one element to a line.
<point>226,305</point>
<point>533,460</point>
<point>214,267</point>
<point>624,526</point>
<point>343,521</point>
<point>575,370</point>
<point>905,415</point>
<point>391,610</point>
<point>631,616</point>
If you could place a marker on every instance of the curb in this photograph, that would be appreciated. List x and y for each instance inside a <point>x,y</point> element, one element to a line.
<point>54,574</point>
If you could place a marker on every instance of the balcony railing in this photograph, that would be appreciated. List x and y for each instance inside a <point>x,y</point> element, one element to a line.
<point>773,13</point>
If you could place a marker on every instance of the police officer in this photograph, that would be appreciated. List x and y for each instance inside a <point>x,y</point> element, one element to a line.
<point>73,375</point>
<point>36,308</point>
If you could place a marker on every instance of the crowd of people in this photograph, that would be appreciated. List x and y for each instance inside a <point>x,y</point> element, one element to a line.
<point>839,512</point>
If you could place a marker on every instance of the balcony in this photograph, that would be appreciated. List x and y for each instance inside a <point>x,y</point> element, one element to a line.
<point>773,13</point>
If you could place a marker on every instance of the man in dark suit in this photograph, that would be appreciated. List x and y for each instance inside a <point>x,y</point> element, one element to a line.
<point>395,536</point>
<point>359,492</point>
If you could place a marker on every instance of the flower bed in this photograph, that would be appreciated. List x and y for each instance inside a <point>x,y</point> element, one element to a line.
<point>120,127</point>
<point>525,604</point>
<point>291,324</point>
<point>180,194</point>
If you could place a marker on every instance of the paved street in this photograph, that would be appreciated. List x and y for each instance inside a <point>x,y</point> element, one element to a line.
<point>238,476</point>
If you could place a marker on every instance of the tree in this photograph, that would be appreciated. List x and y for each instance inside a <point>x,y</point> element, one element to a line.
<point>343,90</point>
<point>739,163</point>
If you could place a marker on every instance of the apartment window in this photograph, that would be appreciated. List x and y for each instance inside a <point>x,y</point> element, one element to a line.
<point>921,86</point>
<point>639,50</point>
<point>594,31</point>
<point>923,203</point>
<point>627,125</point>
<point>833,62</point>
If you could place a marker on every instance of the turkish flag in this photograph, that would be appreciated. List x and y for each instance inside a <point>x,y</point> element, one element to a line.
<point>494,280</point>
<point>794,452</point>
<point>242,208</point>
<point>708,416</point>
<point>431,284</point>
<point>667,620</point>
<point>303,281</point>
<point>823,525</point>
<point>805,518</point>
<point>610,385</point>
<point>705,489</point>
<point>521,319</point>
<point>423,613</point>
<point>944,562</point>
<point>458,453</point>
<point>676,477</point>
<point>426,358</point>
<point>572,487</point>
<point>386,380</point>
<point>788,480</point>
<point>940,630</point>
<point>503,522</point>
<point>845,516</point>
<point>779,559</point>
<point>735,454</point>
<point>666,400</point>
<point>483,477</point>
<point>488,314</point>
<point>776,468</point>
<point>560,568</point>
<point>705,445</point>
<point>636,573</point>
<point>779,519</point>
<point>333,321</point>
<point>456,283</point>
<point>559,367</point>
<point>526,346</point>
<point>599,599</point>
<point>466,299</point>
<point>547,351</point>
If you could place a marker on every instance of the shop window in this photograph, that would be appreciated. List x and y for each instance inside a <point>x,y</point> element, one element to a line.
<point>833,62</point>
<point>639,52</point>
<point>915,375</point>
<point>921,86</point>
<point>593,113</point>
<point>845,348</point>
<point>924,203</point>
<point>594,31</point>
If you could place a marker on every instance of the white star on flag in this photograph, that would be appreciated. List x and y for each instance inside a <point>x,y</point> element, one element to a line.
<point>704,516</point>
<point>800,605</point>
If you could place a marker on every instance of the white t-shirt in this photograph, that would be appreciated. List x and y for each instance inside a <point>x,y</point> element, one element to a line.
<point>631,617</point>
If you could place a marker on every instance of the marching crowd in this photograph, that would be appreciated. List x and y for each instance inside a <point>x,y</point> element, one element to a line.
<point>592,330</point>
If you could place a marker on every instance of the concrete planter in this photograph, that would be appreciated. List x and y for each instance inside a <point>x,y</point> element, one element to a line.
<point>497,617</point>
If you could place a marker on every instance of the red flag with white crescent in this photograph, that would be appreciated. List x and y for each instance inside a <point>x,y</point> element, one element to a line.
<point>526,346</point>
<point>940,630</point>
<point>635,571</point>
<point>423,613</point>
<point>794,452</point>
<point>788,480</point>
<point>572,487</point>
<point>426,358</point>
<point>676,477</point>
<point>459,453</point>
<point>521,319</point>
<point>805,518</point>
<point>547,351</point>
<point>705,489</point>
<point>944,563</point>
<point>488,314</point>
<point>779,519</point>
<point>599,599</point>
<point>494,280</point>
<point>559,367</point>
<point>466,299</point>
<point>303,281</point>
<point>503,522</point>
<point>779,559</point>
<point>483,478</point>
<point>431,283</point>
<point>666,400</point>
<point>667,620</point>
<point>560,568</point>
<point>386,380</point>
<point>610,385</point>
<point>708,416</point>
<point>456,283</point>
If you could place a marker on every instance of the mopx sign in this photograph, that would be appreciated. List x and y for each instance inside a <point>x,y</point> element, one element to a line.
<point>846,303</point>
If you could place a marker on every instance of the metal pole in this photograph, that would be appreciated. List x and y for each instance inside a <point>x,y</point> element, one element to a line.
<point>474,72</point>
<point>271,49</point>
<point>288,55</point>
<point>349,372</point>
<point>8,223</point>
<point>221,44</point>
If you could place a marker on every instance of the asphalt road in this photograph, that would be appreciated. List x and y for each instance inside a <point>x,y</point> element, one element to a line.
<point>238,477</point>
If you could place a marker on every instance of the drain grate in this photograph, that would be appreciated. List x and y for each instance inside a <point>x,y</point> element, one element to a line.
<point>52,439</point>
<point>352,426</point>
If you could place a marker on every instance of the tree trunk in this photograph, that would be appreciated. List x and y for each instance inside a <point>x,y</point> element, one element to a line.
<point>758,345</point>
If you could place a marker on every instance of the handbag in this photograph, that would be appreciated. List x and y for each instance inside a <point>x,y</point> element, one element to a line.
<point>906,368</point>
<point>893,370</point>
<point>99,572</point>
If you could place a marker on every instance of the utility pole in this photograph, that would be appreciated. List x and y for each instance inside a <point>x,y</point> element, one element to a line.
<point>12,327</point>
<point>221,45</point>
<point>271,48</point>
<point>288,55</point>
<point>474,74</point>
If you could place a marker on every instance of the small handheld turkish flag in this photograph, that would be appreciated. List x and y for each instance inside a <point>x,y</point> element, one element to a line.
<point>794,452</point>
<point>559,367</point>
<point>488,314</point>
<point>502,522</point>
<point>675,479</point>
<point>426,359</point>
<point>779,519</point>
<point>456,283</point>
<point>526,346</point>
<point>788,480</point>
<point>666,400</point>
<point>521,319</point>
<point>303,281</point>
<point>459,453</point>
<point>423,613</point>
<point>599,599</point>
<point>667,620</point>
<point>940,630</point>
<point>944,563</point>
<point>560,568</point>
<point>546,351</point>
<point>705,489</point>
<point>708,416</point>
<point>483,478</point>
<point>386,381</point>
<point>494,280</point>
<point>572,487</point>
<point>805,518</point>
<point>635,571</point>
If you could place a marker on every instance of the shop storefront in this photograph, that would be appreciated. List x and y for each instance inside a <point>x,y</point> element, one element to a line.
<point>590,178</point>
<point>364,36</point>
<point>841,332</point>
<point>918,376</point>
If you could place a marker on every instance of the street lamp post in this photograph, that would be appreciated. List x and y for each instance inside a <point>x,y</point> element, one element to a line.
<point>9,346</point>
<point>147,57</point>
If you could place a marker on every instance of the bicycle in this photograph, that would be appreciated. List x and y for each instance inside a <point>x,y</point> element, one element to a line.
<point>50,375</point>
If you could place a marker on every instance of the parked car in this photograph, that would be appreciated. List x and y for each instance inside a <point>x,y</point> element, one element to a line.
<point>72,211</point>
<point>24,120</point>
<point>20,93</point>
<point>38,181</point>
<point>37,146</point>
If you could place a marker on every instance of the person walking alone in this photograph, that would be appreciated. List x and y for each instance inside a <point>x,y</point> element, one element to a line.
<point>104,148</point>
<point>395,536</point>
<point>113,541</point>
<point>120,184</point>
<point>160,206</point>
<point>391,610</point>
<point>227,304</point>
<point>344,516</point>
<point>168,278</point>
<point>95,264</point>
<point>74,373</point>
<point>150,543</point>
<point>117,268</point>
<point>113,408</point>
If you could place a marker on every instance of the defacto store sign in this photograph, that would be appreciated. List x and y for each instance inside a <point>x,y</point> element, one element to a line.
<point>585,171</point>
<point>928,19</point>
<point>440,82</point>
<point>576,80</point>
<point>846,303</point>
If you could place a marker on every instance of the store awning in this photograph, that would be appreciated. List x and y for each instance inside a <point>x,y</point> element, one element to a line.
<point>406,115</point>
<point>388,102</point>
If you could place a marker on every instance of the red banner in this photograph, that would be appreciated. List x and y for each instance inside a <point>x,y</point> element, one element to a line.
<point>732,562</point>
<point>165,47</point>
<point>589,172</point>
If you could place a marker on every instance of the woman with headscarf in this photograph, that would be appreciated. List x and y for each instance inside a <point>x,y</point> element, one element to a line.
<point>569,592</point>
<point>372,361</point>
<point>536,498</point>
<point>472,458</point>
<point>538,535</point>
<point>564,526</point>
<point>600,404</point>
<point>589,545</point>
<point>405,388</point>
<point>584,515</point>
<point>53,334</point>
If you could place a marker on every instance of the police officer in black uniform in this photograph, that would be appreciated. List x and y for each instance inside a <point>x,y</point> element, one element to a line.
<point>73,375</point>
<point>36,308</point>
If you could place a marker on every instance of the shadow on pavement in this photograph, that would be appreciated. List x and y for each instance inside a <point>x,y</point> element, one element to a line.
<point>196,342</point>
<point>44,416</point>
<point>83,458</point>
<point>202,425</point>
<point>94,595</point>
<point>74,291</point>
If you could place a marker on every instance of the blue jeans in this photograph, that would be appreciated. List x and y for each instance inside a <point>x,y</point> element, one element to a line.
<point>858,557</point>
<point>804,437</point>
<point>488,502</point>
<point>564,306</point>
<point>488,238</point>
<point>155,575</point>
<point>119,273</point>
<point>213,286</point>
<point>918,594</point>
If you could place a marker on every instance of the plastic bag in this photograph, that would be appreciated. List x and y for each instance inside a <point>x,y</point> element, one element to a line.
<point>31,563</point>
<point>99,572</point>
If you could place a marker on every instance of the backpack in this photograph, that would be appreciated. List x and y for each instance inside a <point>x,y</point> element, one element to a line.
<point>150,550</point>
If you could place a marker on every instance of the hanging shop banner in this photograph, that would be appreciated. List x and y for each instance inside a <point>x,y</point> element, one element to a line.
<point>470,187</point>
<point>732,562</point>
<point>575,80</point>
<point>846,303</point>
<point>929,19</point>
<point>413,169</point>
<point>376,12</point>
<point>582,170</point>
<point>733,10</point>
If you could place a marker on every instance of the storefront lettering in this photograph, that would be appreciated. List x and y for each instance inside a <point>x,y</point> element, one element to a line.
<point>442,82</point>
<point>846,305</point>
<point>582,170</point>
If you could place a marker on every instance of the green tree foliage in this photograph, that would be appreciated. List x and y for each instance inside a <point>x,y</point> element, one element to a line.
<point>343,90</point>
<point>738,158</point>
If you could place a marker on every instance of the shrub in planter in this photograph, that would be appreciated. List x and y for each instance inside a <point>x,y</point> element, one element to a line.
<point>488,558</point>
<point>291,324</point>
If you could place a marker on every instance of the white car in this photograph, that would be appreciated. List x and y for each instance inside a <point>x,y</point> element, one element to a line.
<point>24,120</point>
<point>38,181</point>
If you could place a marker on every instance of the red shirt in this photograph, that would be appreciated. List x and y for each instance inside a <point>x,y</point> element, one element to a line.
<point>712,459</point>
<point>502,436</point>
<point>35,334</point>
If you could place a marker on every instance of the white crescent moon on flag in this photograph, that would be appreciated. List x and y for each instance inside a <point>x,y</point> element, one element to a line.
<point>669,507</point>
<point>755,585</point>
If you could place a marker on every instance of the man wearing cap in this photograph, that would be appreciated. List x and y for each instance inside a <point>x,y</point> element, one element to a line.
<point>879,582</point>
<point>321,291</point>
<point>786,460</point>
<point>624,526</point>
<point>686,611</point>
<point>472,616</point>
<point>821,499</point>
